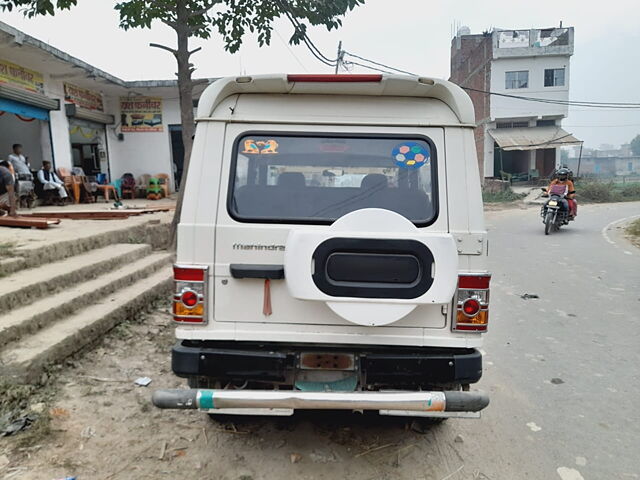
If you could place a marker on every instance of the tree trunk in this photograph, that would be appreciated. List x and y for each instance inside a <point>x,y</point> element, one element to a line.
<point>185,88</point>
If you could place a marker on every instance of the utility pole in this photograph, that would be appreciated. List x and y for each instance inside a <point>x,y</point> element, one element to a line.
<point>339,56</point>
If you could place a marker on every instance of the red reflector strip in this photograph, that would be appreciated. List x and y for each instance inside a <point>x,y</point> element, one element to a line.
<point>329,78</point>
<point>186,274</point>
<point>479,282</point>
<point>188,319</point>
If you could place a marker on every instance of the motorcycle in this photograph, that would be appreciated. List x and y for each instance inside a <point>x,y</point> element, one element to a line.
<point>555,212</point>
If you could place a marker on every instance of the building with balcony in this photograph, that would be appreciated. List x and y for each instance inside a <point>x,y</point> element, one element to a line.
<point>518,81</point>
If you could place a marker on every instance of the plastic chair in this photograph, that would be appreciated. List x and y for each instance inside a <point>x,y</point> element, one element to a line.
<point>128,185</point>
<point>110,189</point>
<point>117,184</point>
<point>71,183</point>
<point>88,187</point>
<point>141,187</point>
<point>154,189</point>
<point>506,177</point>
<point>107,190</point>
<point>164,183</point>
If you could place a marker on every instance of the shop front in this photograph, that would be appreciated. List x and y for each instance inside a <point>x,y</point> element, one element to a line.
<point>528,153</point>
<point>87,130</point>
<point>24,114</point>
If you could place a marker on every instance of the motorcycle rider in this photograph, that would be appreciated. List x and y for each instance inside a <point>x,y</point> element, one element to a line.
<point>562,178</point>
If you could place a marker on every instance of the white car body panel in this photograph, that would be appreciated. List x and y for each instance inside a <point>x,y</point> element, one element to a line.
<point>207,232</point>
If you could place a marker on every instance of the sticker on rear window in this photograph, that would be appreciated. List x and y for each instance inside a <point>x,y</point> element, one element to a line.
<point>410,155</point>
<point>260,146</point>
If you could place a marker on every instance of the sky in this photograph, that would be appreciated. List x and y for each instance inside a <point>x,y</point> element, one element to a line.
<point>414,35</point>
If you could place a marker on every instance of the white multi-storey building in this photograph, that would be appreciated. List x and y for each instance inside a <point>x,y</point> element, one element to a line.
<point>519,83</point>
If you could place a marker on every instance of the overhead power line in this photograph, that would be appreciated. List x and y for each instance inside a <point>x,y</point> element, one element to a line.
<point>290,51</point>
<point>340,60</point>
<point>575,103</point>
<point>315,51</point>
<point>378,64</point>
<point>347,63</point>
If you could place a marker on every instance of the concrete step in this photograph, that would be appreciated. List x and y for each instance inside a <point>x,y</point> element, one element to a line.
<point>10,264</point>
<point>42,313</point>
<point>45,246</point>
<point>24,287</point>
<point>25,360</point>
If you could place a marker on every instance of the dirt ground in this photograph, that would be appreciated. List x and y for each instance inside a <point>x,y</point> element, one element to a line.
<point>104,427</point>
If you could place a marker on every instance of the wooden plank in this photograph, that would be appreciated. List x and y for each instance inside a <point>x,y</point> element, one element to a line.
<point>111,214</point>
<point>88,215</point>
<point>27,222</point>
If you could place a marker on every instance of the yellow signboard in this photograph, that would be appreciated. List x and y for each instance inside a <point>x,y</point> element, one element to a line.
<point>141,114</point>
<point>17,76</point>
<point>83,97</point>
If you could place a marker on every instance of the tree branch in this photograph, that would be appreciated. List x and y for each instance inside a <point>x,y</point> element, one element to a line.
<point>195,50</point>
<point>164,47</point>
<point>197,13</point>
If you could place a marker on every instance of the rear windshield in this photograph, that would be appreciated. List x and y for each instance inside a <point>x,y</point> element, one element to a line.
<point>318,179</point>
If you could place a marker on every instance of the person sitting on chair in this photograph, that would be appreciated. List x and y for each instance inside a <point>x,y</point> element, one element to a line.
<point>19,161</point>
<point>51,181</point>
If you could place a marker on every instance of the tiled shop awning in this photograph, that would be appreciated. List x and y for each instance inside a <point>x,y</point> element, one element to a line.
<point>532,138</point>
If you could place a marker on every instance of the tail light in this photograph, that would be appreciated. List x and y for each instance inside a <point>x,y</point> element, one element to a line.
<point>189,297</point>
<point>472,303</point>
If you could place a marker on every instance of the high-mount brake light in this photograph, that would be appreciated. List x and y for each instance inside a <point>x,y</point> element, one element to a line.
<point>472,303</point>
<point>330,78</point>
<point>189,297</point>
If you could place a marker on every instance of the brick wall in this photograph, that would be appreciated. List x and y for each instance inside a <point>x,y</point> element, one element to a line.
<point>471,67</point>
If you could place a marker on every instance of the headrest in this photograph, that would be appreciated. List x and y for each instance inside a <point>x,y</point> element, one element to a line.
<point>374,181</point>
<point>291,180</point>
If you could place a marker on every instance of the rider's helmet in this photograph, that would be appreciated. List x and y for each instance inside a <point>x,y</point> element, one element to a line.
<point>563,174</point>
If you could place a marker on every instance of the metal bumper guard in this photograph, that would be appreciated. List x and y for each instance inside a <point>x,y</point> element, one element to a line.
<point>211,400</point>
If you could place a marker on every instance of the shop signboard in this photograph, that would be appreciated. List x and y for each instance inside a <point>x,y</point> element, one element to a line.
<point>141,114</point>
<point>17,76</point>
<point>83,97</point>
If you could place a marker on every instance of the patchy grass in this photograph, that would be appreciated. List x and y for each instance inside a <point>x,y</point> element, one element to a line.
<point>16,401</point>
<point>605,192</point>
<point>633,231</point>
<point>502,197</point>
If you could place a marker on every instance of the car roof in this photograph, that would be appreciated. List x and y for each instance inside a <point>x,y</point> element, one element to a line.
<point>355,86</point>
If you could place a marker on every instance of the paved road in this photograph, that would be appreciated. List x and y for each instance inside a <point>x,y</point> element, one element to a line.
<point>564,369</point>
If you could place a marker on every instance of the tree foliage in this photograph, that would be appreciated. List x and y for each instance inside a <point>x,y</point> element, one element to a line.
<point>635,145</point>
<point>31,8</point>
<point>232,19</point>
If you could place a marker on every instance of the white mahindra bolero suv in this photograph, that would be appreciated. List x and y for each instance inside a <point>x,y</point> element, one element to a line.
<point>332,252</point>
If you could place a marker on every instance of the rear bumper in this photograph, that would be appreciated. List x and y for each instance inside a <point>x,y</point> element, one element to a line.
<point>211,400</point>
<point>377,367</point>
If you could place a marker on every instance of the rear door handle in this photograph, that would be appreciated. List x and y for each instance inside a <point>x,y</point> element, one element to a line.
<point>247,270</point>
